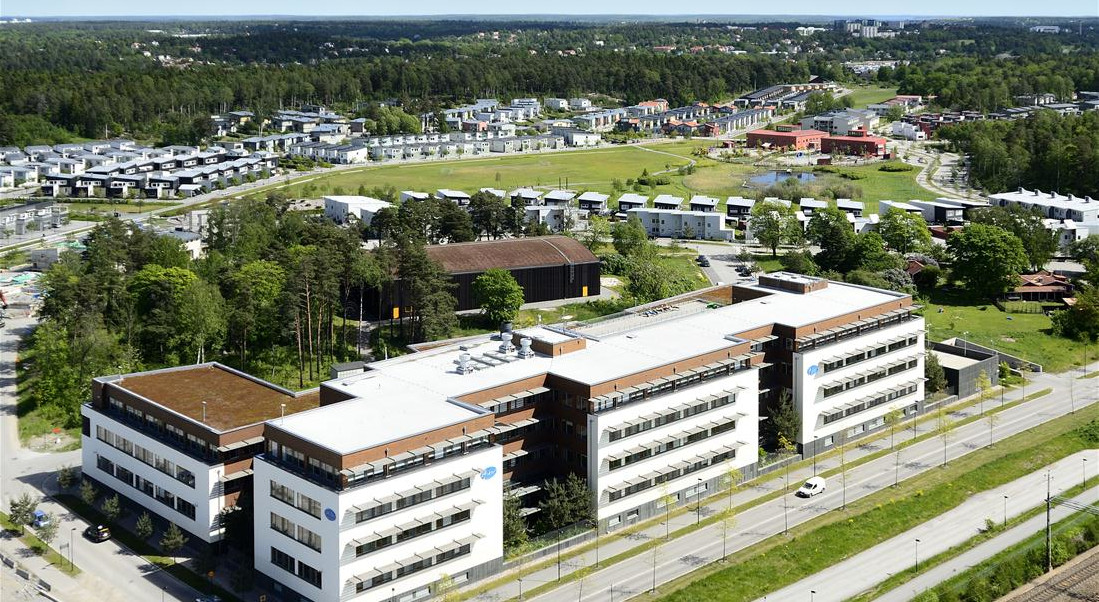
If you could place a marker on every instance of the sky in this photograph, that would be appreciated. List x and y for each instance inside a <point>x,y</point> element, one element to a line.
<point>367,8</point>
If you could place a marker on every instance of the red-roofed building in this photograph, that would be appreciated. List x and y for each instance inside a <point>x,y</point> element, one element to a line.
<point>857,143</point>
<point>795,140</point>
<point>1042,286</point>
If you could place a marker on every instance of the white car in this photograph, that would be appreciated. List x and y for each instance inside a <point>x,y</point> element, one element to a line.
<point>811,487</point>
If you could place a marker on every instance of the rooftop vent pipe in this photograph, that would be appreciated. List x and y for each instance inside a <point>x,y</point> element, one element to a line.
<point>524,348</point>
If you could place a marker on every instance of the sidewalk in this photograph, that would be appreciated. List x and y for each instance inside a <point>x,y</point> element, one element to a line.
<point>968,438</point>
<point>865,570</point>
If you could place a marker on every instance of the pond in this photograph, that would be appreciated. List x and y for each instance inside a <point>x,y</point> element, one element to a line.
<point>768,178</point>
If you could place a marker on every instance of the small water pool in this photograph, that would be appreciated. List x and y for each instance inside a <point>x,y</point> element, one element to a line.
<point>768,178</point>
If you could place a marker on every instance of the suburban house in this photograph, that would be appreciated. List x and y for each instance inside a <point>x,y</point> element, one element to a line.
<point>1042,285</point>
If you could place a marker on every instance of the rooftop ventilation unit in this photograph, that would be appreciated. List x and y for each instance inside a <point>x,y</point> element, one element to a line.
<point>463,364</point>
<point>506,345</point>
<point>524,348</point>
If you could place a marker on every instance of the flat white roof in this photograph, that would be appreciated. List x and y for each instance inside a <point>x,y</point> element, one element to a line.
<point>632,197</point>
<point>954,362</point>
<point>559,195</point>
<point>406,395</point>
<point>358,201</point>
<point>590,195</point>
<point>1047,199</point>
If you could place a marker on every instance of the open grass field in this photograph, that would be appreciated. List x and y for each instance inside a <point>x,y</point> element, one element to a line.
<point>1025,335</point>
<point>860,97</point>
<point>583,170</point>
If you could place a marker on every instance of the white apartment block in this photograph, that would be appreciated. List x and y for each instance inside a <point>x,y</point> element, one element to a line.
<point>1050,204</point>
<point>676,223</point>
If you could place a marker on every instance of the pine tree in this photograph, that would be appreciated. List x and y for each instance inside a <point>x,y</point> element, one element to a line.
<point>172,540</point>
<point>144,526</point>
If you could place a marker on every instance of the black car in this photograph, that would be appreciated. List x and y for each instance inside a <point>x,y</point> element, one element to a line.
<point>98,533</point>
<point>704,262</point>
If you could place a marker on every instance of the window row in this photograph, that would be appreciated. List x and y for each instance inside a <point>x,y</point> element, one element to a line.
<point>693,437</point>
<point>297,532</point>
<point>298,568</point>
<point>156,427</point>
<point>870,354</point>
<point>300,501</point>
<point>414,567</point>
<point>668,384</point>
<point>411,500</point>
<point>299,462</point>
<point>162,464</point>
<point>669,476</point>
<point>147,487</point>
<point>421,529</point>
<point>696,408</point>
<point>866,405</point>
<point>869,378</point>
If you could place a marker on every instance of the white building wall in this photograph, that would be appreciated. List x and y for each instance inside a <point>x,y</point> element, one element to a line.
<point>745,410</point>
<point>338,530</point>
<point>206,494</point>
<point>808,394</point>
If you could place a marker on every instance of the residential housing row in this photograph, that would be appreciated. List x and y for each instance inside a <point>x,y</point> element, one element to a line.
<point>123,168</point>
<point>392,476</point>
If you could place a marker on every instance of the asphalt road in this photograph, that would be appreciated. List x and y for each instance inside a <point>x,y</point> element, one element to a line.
<point>851,577</point>
<point>111,573</point>
<point>680,556</point>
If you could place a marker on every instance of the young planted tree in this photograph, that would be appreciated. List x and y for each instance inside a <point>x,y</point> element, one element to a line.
<point>984,383</point>
<point>892,419</point>
<point>993,420</point>
<point>498,294</point>
<point>944,427</point>
<point>65,477</point>
<point>21,509</point>
<point>112,508</point>
<point>732,479</point>
<point>173,540</point>
<point>88,492</point>
<point>48,531</point>
<point>144,527</point>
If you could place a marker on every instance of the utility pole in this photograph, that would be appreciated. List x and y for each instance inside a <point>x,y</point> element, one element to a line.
<point>1049,525</point>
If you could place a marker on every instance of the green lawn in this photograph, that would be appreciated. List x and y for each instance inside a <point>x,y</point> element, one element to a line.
<point>586,170</point>
<point>817,545</point>
<point>109,208</point>
<point>860,97</point>
<point>1025,335</point>
<point>39,547</point>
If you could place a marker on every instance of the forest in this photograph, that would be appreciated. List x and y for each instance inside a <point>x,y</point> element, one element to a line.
<point>1045,151</point>
<point>152,81</point>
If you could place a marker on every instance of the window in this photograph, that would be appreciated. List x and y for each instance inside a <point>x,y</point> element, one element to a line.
<point>829,441</point>
<point>309,574</point>
<point>282,493</point>
<point>282,525</point>
<point>282,560</point>
<point>309,538</point>
<point>185,508</point>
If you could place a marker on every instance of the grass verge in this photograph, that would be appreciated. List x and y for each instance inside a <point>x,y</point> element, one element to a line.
<point>903,577</point>
<point>143,548</point>
<point>814,546</point>
<point>39,547</point>
<point>1022,563</point>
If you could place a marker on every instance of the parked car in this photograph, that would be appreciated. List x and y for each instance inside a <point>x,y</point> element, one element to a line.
<point>98,533</point>
<point>704,262</point>
<point>40,519</point>
<point>811,487</point>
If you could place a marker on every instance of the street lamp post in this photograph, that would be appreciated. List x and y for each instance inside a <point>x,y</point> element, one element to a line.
<point>698,500</point>
<point>1005,510</point>
<point>1084,483</point>
<point>812,595</point>
<point>917,555</point>
<point>72,565</point>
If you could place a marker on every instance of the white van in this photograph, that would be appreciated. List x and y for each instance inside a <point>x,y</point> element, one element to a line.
<point>811,487</point>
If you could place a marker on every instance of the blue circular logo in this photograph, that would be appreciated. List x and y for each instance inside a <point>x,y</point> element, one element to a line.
<point>488,473</point>
<point>813,370</point>
<point>330,514</point>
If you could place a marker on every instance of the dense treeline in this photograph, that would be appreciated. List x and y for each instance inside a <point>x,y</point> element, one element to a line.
<point>976,84</point>
<point>1045,151</point>
<point>137,100</point>
<point>269,297</point>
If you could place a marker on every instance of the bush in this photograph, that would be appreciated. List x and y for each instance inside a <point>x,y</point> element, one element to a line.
<point>894,166</point>
<point>615,263</point>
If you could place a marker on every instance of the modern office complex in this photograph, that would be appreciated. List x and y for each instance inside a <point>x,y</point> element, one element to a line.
<point>398,476</point>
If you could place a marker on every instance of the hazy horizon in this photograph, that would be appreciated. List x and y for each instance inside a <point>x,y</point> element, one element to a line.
<point>641,9</point>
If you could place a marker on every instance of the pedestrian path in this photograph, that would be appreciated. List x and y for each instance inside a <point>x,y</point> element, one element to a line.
<point>955,527</point>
